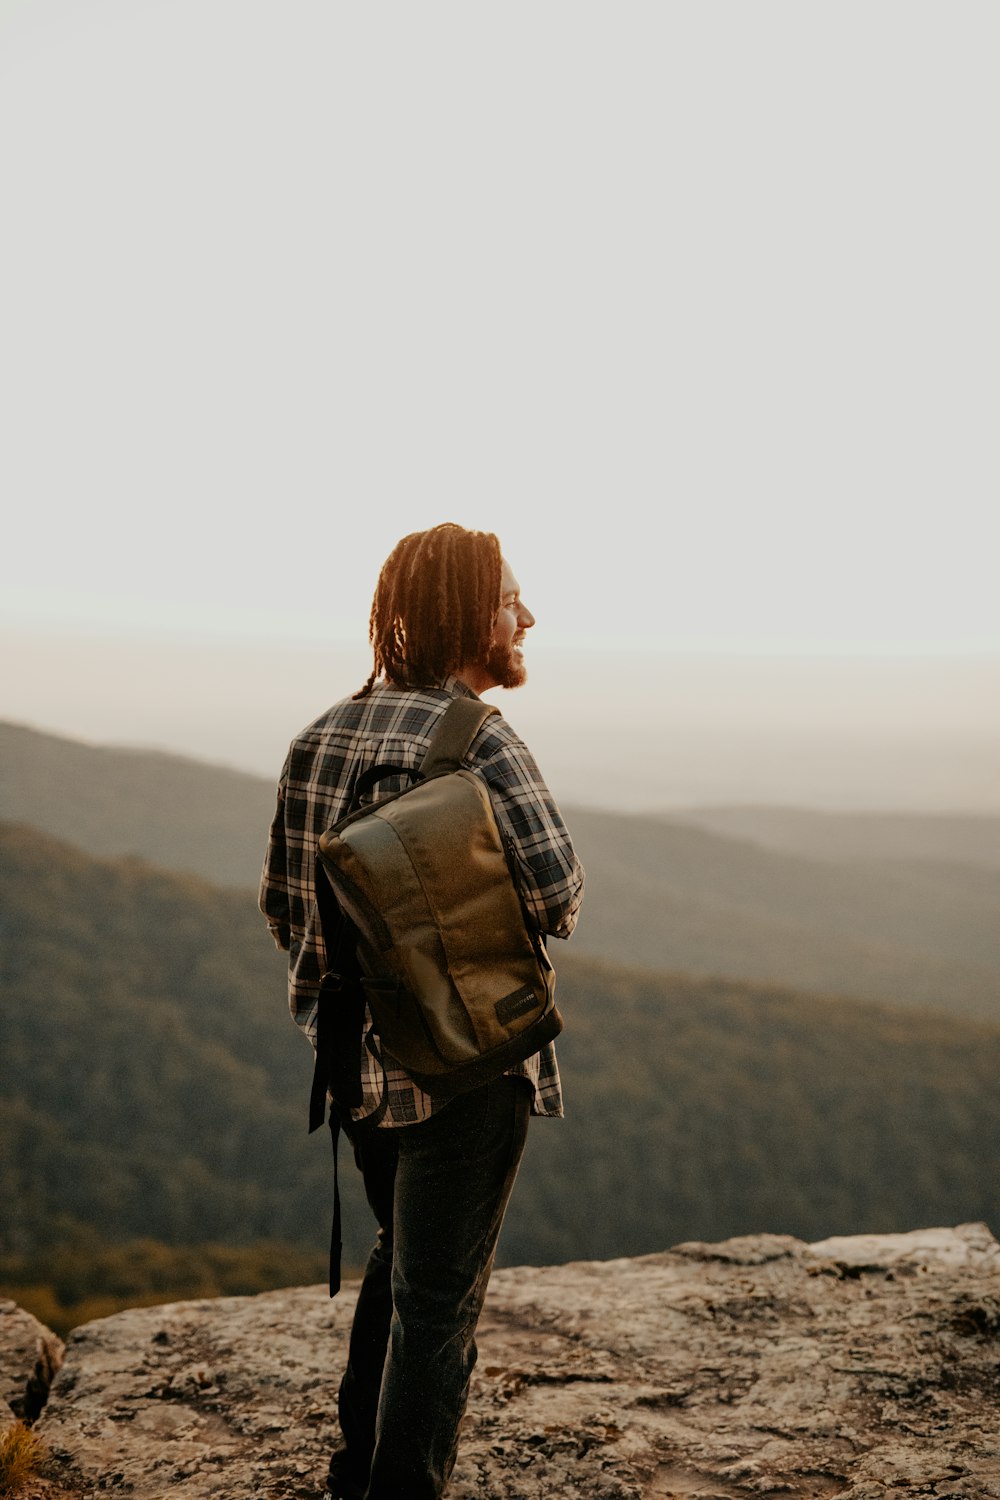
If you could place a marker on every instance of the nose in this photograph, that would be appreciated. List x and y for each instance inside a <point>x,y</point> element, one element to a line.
<point>525,618</point>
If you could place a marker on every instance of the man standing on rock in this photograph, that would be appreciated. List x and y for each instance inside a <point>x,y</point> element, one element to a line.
<point>447,620</point>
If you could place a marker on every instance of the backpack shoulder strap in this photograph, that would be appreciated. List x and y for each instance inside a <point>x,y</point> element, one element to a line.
<point>457,728</point>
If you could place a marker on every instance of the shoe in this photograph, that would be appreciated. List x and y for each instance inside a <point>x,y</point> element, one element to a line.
<point>341,1485</point>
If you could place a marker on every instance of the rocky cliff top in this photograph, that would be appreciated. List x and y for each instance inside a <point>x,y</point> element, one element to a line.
<point>860,1367</point>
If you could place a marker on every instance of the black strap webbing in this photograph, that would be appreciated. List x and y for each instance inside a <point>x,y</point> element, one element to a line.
<point>336,1233</point>
<point>456,729</point>
<point>340,1010</point>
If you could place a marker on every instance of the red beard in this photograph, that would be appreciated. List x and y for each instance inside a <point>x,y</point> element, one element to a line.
<point>508,669</point>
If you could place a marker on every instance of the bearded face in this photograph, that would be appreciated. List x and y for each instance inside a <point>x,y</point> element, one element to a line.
<point>505,660</point>
<point>505,663</point>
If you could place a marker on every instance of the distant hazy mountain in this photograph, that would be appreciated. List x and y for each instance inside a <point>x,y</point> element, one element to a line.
<point>153,1084</point>
<point>661,893</point>
<point>959,838</point>
<point>909,932</point>
<point>180,813</point>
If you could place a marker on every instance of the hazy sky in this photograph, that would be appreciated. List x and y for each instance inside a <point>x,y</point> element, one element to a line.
<point>695,304</point>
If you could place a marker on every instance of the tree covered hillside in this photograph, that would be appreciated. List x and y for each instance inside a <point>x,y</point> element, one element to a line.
<point>153,1084</point>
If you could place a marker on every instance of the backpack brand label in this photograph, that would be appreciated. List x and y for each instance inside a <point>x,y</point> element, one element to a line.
<point>516,1004</point>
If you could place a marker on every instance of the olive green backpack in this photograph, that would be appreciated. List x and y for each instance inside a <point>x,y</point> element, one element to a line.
<point>422,919</point>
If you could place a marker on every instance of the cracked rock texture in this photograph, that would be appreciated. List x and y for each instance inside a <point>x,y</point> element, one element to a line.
<point>864,1367</point>
<point>30,1355</point>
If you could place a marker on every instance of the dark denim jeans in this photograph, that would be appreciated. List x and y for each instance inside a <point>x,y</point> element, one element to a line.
<point>439,1191</point>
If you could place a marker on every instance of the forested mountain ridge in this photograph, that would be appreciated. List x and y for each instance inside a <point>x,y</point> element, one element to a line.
<point>153,1084</point>
<point>660,893</point>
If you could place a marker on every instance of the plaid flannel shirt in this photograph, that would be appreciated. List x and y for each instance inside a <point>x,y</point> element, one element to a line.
<point>394,726</point>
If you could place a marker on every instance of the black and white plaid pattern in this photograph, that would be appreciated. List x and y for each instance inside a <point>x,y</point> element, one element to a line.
<point>394,726</point>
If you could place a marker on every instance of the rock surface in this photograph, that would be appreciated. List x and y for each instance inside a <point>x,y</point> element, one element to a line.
<point>30,1355</point>
<point>863,1367</point>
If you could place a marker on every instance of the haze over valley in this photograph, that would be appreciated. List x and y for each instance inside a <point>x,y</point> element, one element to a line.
<point>638,731</point>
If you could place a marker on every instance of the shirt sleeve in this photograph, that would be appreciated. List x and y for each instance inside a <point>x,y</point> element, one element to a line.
<point>273,900</point>
<point>551,875</point>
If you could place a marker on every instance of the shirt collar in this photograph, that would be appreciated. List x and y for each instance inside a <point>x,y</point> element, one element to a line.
<point>457,688</point>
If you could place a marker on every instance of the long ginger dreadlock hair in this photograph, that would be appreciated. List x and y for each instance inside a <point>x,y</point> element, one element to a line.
<point>435,603</point>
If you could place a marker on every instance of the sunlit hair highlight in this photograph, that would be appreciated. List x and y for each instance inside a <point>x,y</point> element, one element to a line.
<point>435,605</point>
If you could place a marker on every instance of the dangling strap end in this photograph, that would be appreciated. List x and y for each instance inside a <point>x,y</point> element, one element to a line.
<point>336,1241</point>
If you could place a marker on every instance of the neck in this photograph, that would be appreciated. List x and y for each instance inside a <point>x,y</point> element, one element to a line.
<point>475,677</point>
